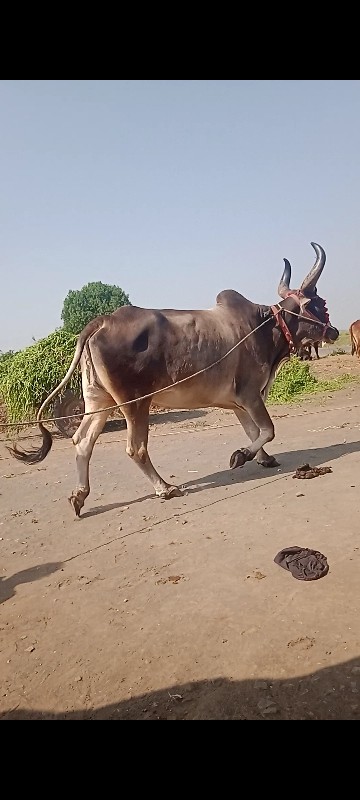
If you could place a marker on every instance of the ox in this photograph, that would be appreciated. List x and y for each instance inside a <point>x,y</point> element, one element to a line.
<point>135,352</point>
<point>354,331</point>
<point>304,352</point>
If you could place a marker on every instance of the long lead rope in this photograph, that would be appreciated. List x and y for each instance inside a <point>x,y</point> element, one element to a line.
<point>27,423</point>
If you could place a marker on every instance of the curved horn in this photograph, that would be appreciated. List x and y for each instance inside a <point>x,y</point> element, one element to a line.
<point>314,274</point>
<point>284,284</point>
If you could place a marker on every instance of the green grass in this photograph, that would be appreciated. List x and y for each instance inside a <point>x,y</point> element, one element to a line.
<point>295,381</point>
<point>343,340</point>
<point>339,351</point>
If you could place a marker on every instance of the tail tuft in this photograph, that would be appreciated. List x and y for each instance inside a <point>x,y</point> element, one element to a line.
<point>34,456</point>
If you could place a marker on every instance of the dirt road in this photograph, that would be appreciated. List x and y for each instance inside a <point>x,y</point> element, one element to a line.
<point>146,609</point>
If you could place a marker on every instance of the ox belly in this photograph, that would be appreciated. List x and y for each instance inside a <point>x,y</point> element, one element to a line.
<point>197,396</point>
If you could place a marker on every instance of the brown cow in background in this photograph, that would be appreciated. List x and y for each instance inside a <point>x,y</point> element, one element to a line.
<point>354,331</point>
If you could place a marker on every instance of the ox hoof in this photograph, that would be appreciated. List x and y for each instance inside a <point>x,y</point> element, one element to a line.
<point>269,462</point>
<point>171,491</point>
<point>77,501</point>
<point>238,458</point>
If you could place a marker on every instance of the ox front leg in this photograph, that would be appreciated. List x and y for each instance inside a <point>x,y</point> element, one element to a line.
<point>84,440</point>
<point>265,433</point>
<point>137,418</point>
<point>253,432</point>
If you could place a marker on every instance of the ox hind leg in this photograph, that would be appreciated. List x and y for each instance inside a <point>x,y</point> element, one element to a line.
<point>355,345</point>
<point>260,432</point>
<point>137,419</point>
<point>84,440</point>
<point>253,432</point>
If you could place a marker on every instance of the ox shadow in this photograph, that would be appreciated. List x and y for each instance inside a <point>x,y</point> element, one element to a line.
<point>96,510</point>
<point>325,694</point>
<point>289,462</point>
<point>8,585</point>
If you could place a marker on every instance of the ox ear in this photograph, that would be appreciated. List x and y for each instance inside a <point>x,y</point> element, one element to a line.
<point>312,278</point>
<point>284,285</point>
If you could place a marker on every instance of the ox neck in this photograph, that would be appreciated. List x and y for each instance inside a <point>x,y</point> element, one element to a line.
<point>274,340</point>
<point>279,313</point>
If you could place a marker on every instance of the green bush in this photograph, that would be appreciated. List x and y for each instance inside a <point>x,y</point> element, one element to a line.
<point>5,359</point>
<point>293,379</point>
<point>27,377</point>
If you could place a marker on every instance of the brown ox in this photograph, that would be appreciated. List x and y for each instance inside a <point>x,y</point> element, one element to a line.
<point>135,352</point>
<point>354,331</point>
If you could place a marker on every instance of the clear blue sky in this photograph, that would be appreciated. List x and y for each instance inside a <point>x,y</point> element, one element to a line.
<point>175,190</point>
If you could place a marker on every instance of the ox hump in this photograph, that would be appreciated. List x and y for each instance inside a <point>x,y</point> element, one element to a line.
<point>230,298</point>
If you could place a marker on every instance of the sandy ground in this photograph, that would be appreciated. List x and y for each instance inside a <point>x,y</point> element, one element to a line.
<point>146,609</point>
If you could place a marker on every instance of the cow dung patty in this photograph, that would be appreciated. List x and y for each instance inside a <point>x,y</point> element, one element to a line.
<point>305,471</point>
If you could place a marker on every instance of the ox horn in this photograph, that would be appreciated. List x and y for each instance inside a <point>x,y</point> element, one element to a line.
<point>284,284</point>
<point>314,274</point>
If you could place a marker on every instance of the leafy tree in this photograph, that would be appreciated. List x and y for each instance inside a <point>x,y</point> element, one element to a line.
<point>83,305</point>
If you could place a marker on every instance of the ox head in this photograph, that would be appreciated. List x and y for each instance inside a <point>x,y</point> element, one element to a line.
<point>314,324</point>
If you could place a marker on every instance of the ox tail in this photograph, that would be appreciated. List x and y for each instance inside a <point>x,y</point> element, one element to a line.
<point>35,456</point>
<point>353,342</point>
